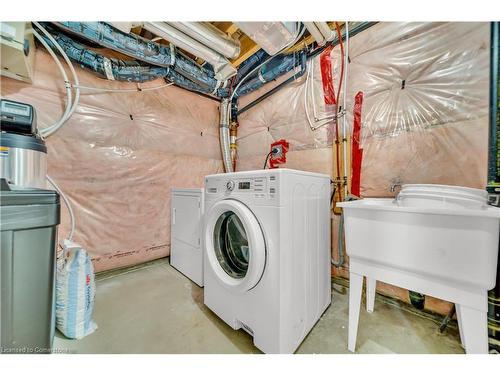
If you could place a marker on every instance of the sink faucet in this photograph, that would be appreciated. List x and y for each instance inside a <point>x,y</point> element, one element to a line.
<point>395,186</point>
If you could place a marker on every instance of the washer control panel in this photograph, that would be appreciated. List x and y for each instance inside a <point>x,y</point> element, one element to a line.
<point>230,185</point>
<point>259,187</point>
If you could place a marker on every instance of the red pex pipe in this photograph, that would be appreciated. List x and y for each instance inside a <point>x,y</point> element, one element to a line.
<point>330,103</point>
<point>327,77</point>
<point>357,152</point>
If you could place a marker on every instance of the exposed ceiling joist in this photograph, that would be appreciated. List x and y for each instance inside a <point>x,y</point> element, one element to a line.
<point>248,48</point>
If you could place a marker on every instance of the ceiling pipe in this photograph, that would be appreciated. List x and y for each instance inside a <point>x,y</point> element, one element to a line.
<point>315,33</point>
<point>358,27</point>
<point>325,30</point>
<point>145,50</point>
<point>222,67</point>
<point>125,70</point>
<point>211,37</point>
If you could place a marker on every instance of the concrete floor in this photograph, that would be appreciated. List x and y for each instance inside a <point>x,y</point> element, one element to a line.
<point>155,309</point>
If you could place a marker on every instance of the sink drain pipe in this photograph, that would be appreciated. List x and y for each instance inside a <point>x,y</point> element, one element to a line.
<point>340,244</point>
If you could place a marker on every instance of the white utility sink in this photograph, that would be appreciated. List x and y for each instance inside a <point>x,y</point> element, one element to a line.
<point>443,248</point>
<point>442,196</point>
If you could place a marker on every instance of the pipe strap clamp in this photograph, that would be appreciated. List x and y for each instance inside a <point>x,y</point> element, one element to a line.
<point>261,78</point>
<point>108,70</point>
<point>172,54</point>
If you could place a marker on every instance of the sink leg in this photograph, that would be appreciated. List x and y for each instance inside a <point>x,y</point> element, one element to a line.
<point>460,328</point>
<point>355,291</point>
<point>371,286</point>
<point>473,326</point>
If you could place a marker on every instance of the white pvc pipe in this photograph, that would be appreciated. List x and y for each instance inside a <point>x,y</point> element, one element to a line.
<point>306,104</point>
<point>325,30</point>
<point>68,113</point>
<point>310,68</point>
<point>68,206</point>
<point>315,32</point>
<point>67,84</point>
<point>223,68</point>
<point>210,36</point>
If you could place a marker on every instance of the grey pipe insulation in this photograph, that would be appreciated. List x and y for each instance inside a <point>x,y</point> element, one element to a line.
<point>272,70</point>
<point>123,70</point>
<point>250,63</point>
<point>144,50</point>
<point>182,71</point>
<point>156,60</point>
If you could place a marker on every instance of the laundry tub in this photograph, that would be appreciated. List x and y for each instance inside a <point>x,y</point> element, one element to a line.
<point>447,252</point>
<point>445,196</point>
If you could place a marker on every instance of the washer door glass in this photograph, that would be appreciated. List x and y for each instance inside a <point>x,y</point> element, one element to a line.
<point>231,245</point>
<point>234,245</point>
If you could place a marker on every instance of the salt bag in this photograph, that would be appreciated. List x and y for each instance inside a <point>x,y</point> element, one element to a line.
<point>75,292</point>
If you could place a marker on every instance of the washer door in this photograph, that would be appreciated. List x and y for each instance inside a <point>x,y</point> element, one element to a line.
<point>235,245</point>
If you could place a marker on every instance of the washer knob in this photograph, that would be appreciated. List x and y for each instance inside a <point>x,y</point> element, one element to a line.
<point>230,185</point>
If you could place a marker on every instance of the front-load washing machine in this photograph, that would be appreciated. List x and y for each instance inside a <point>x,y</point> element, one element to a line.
<point>267,253</point>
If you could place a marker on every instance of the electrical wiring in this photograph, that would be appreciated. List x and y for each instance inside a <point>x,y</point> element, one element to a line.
<point>267,159</point>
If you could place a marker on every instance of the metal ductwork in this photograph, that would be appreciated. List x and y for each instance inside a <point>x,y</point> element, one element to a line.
<point>224,137</point>
<point>320,31</point>
<point>222,67</point>
<point>210,36</point>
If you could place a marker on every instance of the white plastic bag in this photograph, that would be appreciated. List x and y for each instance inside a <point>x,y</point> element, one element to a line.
<point>75,292</point>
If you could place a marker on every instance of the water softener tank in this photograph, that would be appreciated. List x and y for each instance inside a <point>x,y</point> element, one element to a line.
<point>23,154</point>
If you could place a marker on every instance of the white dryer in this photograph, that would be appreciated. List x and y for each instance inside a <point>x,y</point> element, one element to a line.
<point>267,253</point>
